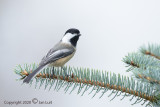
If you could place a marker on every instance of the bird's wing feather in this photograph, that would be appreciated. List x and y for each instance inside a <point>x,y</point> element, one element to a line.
<point>55,55</point>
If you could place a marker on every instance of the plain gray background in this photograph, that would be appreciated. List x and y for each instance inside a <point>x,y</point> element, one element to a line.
<point>110,29</point>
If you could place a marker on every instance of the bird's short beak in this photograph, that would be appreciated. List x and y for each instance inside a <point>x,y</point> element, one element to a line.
<point>79,34</point>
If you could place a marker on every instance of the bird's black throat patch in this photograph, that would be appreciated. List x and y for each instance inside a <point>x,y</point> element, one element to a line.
<point>74,40</point>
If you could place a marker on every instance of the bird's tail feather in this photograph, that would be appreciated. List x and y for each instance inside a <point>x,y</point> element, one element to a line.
<point>30,76</point>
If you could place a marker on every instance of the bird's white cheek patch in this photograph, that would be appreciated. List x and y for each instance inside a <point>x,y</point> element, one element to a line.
<point>67,38</point>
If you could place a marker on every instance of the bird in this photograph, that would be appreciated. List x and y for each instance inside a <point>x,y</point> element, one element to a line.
<point>61,53</point>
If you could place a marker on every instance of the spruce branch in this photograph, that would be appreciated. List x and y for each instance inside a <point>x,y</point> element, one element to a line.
<point>86,79</point>
<point>151,74</point>
<point>145,65</point>
<point>152,50</point>
<point>137,60</point>
<point>151,80</point>
<point>145,86</point>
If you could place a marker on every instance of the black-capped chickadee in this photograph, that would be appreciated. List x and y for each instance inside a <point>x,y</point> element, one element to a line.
<point>62,52</point>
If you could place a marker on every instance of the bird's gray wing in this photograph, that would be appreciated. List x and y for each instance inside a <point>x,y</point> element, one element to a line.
<point>55,55</point>
<point>58,46</point>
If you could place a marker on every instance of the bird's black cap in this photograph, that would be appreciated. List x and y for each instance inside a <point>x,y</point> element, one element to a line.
<point>73,31</point>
